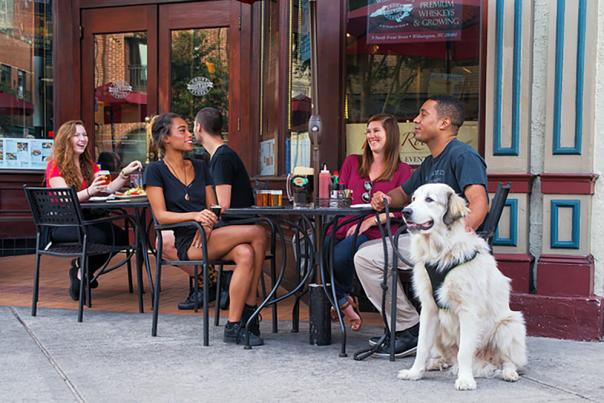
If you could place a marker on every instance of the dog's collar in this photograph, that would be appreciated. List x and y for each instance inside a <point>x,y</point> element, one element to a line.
<point>437,276</point>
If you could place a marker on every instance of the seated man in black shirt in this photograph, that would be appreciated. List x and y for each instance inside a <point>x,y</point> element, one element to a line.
<point>231,180</point>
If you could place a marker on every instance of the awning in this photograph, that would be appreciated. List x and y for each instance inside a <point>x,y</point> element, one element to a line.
<point>10,104</point>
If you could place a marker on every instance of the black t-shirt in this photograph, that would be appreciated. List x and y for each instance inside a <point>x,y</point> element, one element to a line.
<point>158,174</point>
<point>458,166</point>
<point>227,169</point>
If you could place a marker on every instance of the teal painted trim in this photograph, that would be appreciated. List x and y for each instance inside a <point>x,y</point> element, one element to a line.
<point>580,80</point>
<point>516,78</point>
<point>575,242</point>
<point>512,240</point>
<point>558,149</point>
<point>498,149</point>
<point>559,60</point>
<point>499,19</point>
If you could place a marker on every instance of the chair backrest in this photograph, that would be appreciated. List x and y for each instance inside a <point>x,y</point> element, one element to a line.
<point>494,214</point>
<point>54,207</point>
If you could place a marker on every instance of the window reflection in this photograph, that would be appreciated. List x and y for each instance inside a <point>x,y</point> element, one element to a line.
<point>399,56</point>
<point>25,83</point>
<point>200,74</point>
<point>120,82</point>
<point>297,145</point>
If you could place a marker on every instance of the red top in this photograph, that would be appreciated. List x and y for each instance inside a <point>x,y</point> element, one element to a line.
<point>349,176</point>
<point>52,171</point>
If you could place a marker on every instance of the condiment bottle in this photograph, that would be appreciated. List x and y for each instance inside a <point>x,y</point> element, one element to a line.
<point>324,181</point>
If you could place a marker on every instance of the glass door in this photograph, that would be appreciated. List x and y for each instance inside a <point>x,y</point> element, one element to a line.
<point>119,52</point>
<point>199,39</point>
<point>136,64</point>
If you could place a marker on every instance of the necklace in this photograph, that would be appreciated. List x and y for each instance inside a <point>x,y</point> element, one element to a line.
<point>185,183</point>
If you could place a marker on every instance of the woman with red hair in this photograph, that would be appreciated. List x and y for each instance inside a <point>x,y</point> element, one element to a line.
<point>70,165</point>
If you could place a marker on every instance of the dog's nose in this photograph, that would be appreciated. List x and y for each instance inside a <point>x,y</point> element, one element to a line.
<point>407,213</point>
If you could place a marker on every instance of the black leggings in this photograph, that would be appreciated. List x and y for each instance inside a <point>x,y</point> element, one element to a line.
<point>99,233</point>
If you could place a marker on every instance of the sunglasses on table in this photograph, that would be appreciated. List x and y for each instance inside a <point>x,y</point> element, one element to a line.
<point>366,197</point>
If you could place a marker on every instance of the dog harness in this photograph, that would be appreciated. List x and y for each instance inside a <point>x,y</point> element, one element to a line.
<point>437,277</point>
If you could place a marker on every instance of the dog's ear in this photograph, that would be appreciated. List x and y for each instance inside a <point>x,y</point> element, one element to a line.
<point>456,209</point>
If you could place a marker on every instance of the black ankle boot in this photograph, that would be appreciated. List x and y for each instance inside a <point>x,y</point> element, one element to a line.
<point>234,333</point>
<point>254,326</point>
<point>195,300</point>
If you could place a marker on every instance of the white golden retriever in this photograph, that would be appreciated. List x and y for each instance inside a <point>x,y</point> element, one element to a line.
<point>466,323</point>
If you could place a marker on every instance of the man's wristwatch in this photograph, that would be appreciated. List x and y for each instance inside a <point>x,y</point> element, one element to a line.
<point>123,175</point>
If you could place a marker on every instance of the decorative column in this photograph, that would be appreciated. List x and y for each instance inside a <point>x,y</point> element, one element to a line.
<point>508,118</point>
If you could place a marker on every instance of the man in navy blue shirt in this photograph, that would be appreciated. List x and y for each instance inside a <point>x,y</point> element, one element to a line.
<point>450,161</point>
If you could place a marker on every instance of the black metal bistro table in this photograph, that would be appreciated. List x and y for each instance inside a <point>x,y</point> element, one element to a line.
<point>140,206</point>
<point>307,223</point>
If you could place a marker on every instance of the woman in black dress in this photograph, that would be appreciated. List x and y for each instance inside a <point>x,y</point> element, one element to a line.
<point>180,189</point>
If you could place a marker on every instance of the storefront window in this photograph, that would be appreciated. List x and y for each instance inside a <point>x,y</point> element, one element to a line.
<point>297,145</point>
<point>269,89</point>
<point>400,53</point>
<point>26,118</point>
<point>120,96</point>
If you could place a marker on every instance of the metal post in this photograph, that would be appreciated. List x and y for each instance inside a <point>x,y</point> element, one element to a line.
<point>314,123</point>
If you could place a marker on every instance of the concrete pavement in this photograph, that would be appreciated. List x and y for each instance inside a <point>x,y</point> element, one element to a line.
<point>112,357</point>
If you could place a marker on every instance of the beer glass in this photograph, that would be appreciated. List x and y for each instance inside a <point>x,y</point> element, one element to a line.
<point>300,187</point>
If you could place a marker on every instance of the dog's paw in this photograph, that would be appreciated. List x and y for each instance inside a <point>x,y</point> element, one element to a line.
<point>465,383</point>
<point>409,374</point>
<point>510,375</point>
<point>437,364</point>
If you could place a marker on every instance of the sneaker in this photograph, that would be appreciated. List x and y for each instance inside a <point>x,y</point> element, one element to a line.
<point>374,340</point>
<point>405,344</point>
<point>254,326</point>
<point>195,300</point>
<point>233,333</point>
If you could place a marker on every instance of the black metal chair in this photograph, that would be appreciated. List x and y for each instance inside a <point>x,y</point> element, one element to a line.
<point>204,263</point>
<point>492,219</point>
<point>60,207</point>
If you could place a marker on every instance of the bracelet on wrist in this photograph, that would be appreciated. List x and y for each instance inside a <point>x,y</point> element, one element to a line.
<point>123,175</point>
<point>88,192</point>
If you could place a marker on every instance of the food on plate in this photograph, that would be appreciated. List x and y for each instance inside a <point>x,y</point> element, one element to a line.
<point>132,192</point>
<point>36,152</point>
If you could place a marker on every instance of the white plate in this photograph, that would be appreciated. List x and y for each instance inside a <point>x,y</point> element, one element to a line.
<point>101,198</point>
<point>366,205</point>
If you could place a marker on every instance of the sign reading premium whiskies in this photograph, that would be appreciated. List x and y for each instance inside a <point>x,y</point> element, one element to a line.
<point>400,21</point>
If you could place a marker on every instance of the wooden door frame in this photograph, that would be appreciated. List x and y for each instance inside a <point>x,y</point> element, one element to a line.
<point>201,15</point>
<point>107,21</point>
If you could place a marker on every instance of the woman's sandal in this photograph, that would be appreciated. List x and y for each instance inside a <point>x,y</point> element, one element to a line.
<point>349,309</point>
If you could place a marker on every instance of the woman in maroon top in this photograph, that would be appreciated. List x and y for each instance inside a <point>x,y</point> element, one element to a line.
<point>378,168</point>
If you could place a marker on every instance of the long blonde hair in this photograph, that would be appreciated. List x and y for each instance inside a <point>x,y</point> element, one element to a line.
<point>392,149</point>
<point>65,159</point>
